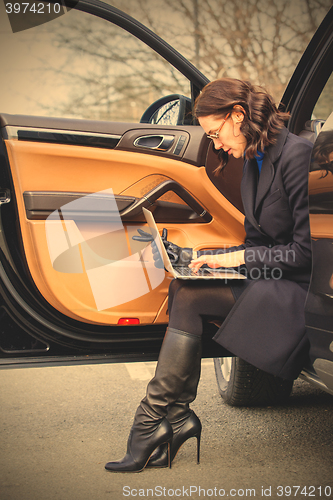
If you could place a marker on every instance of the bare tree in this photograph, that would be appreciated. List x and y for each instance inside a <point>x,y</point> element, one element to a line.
<point>116,77</point>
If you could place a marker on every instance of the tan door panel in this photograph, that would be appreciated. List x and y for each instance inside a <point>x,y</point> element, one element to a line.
<point>67,280</point>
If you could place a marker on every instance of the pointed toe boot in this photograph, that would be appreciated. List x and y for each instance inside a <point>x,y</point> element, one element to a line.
<point>151,429</point>
<point>184,422</point>
<point>142,442</point>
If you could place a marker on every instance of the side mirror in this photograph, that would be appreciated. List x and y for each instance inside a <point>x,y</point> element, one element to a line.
<point>173,109</point>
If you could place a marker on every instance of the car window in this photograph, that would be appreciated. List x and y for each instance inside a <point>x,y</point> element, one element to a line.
<point>258,41</point>
<point>80,66</point>
<point>324,104</point>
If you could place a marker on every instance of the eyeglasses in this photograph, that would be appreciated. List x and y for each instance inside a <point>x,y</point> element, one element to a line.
<point>217,133</point>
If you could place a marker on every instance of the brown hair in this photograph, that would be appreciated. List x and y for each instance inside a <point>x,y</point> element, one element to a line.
<point>262,120</point>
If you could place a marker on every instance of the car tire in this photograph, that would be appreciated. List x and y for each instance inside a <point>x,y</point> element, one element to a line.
<point>241,384</point>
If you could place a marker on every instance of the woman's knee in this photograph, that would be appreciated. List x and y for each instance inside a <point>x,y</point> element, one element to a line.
<point>174,289</point>
<point>185,295</point>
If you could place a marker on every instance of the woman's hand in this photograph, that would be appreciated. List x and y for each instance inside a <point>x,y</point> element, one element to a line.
<point>232,259</point>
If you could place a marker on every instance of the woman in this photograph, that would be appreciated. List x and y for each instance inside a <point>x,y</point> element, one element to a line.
<point>264,314</point>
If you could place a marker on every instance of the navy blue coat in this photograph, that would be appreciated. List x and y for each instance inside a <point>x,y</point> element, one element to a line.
<point>266,326</point>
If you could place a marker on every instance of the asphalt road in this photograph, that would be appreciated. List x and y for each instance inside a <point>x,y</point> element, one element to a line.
<point>60,425</point>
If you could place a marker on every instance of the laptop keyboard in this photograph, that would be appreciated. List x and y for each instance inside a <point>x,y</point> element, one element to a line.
<point>186,271</point>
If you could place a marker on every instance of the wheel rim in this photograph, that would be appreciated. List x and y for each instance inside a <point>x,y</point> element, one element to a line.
<point>226,364</point>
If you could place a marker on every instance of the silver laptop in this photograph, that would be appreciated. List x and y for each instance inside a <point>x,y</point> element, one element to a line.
<point>184,272</point>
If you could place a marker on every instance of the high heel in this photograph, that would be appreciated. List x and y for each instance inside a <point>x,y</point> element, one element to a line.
<point>198,448</point>
<point>141,444</point>
<point>183,429</point>
<point>184,422</point>
<point>151,428</point>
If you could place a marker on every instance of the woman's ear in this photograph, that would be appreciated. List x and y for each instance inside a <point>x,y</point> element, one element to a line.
<point>238,114</point>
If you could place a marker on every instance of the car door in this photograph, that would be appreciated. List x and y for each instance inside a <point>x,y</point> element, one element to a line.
<point>73,280</point>
<point>310,96</point>
<point>319,306</point>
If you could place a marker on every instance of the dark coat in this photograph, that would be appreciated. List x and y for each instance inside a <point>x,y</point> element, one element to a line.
<point>266,326</point>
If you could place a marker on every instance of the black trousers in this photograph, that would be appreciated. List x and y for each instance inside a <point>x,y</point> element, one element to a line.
<point>192,301</point>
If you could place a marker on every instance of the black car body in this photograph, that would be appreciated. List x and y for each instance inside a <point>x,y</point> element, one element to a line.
<point>48,164</point>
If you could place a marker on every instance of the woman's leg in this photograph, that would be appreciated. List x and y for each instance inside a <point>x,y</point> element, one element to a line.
<point>188,304</point>
<point>150,428</point>
<point>174,377</point>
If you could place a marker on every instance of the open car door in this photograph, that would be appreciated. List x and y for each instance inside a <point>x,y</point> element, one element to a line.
<point>73,281</point>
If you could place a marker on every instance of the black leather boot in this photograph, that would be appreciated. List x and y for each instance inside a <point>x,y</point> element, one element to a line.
<point>145,436</point>
<point>150,428</point>
<point>184,422</point>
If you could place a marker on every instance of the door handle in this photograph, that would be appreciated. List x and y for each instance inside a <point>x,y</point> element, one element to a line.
<point>149,198</point>
<point>158,142</point>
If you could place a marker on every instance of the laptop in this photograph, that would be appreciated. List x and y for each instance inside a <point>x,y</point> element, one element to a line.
<point>184,272</point>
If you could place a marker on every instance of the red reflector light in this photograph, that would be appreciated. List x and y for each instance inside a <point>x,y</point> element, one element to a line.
<point>129,321</point>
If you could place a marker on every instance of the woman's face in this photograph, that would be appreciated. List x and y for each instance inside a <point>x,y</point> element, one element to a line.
<point>230,138</point>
